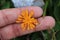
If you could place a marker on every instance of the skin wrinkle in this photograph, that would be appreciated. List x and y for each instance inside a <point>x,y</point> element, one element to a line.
<point>1,36</point>
<point>5,18</point>
<point>2,18</point>
<point>15,30</point>
<point>18,13</point>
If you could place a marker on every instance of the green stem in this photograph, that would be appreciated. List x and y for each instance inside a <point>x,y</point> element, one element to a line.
<point>43,35</point>
<point>58,3</point>
<point>46,5</point>
<point>53,36</point>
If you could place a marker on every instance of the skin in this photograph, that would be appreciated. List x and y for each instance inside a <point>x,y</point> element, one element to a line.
<point>10,29</point>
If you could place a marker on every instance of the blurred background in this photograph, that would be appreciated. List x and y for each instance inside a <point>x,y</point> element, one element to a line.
<point>51,8</point>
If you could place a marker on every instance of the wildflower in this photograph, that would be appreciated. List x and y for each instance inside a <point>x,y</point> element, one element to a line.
<point>26,20</point>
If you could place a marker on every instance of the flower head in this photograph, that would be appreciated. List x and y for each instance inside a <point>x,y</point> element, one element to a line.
<point>26,19</point>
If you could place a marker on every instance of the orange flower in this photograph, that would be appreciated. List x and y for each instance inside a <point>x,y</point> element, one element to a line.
<point>26,20</point>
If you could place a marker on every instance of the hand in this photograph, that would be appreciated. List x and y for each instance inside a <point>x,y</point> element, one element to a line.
<point>10,29</point>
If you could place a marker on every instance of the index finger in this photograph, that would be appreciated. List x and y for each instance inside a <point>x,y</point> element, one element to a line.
<point>8,16</point>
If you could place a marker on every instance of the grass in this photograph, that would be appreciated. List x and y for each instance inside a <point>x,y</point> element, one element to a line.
<point>51,8</point>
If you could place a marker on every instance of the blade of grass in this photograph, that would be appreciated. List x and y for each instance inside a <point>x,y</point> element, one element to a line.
<point>45,7</point>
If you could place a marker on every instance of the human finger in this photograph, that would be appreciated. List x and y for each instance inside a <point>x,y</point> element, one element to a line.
<point>12,31</point>
<point>8,16</point>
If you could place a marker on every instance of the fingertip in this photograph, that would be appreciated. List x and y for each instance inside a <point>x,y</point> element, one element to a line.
<point>38,11</point>
<point>46,23</point>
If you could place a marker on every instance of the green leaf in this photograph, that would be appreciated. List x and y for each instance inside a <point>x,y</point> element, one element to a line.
<point>19,38</point>
<point>57,13</point>
<point>58,35</point>
<point>6,5</point>
<point>37,36</point>
<point>57,26</point>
